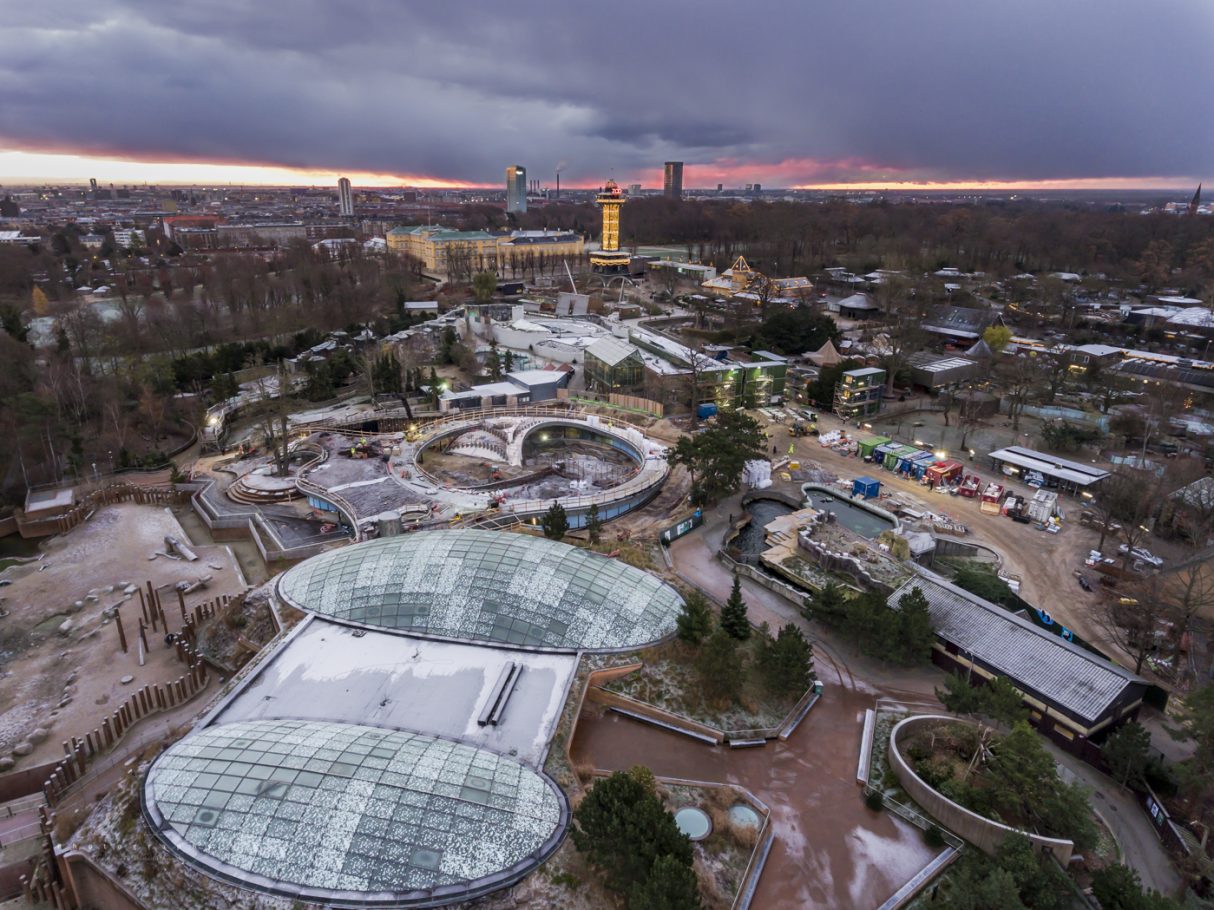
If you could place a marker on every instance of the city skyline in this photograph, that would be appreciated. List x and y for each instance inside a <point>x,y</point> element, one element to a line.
<point>955,95</point>
<point>32,169</point>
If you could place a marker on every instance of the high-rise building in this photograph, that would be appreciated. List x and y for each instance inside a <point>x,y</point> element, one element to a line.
<point>673,186</point>
<point>634,189</point>
<point>345,198</point>
<point>516,188</point>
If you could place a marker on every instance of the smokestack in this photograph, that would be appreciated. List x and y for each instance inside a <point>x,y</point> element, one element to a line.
<point>558,186</point>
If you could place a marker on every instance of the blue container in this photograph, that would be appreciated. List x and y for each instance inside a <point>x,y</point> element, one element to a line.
<point>706,410</point>
<point>866,487</point>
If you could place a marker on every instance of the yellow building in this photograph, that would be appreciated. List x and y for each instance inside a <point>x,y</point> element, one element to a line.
<point>609,258</point>
<point>463,253</point>
<point>741,280</point>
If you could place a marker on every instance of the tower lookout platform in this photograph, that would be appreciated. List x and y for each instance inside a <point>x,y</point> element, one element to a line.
<point>609,259</point>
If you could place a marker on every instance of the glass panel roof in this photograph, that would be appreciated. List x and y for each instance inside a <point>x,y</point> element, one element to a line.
<point>324,807</point>
<point>487,586</point>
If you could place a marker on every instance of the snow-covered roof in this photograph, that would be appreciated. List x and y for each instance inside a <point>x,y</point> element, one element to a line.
<point>610,351</point>
<point>1194,316</point>
<point>857,302</point>
<point>535,377</point>
<point>1050,465</point>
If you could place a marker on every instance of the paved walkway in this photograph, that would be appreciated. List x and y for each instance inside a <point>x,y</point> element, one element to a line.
<point>695,561</point>
<point>830,851</point>
<point>1130,824</point>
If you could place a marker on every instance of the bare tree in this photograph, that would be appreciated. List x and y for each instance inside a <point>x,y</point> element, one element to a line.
<point>1133,623</point>
<point>1018,377</point>
<point>271,413</point>
<point>1114,498</point>
<point>906,336</point>
<point>1187,591</point>
<point>699,366</point>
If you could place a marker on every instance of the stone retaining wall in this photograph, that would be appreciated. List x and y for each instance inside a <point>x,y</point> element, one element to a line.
<point>616,700</point>
<point>983,833</point>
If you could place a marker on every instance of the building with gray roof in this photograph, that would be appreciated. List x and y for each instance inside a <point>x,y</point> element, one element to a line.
<point>1062,473</point>
<point>1072,693</point>
<point>956,323</point>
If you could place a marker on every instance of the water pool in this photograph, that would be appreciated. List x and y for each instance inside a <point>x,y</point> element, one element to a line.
<point>693,822</point>
<point>751,539</point>
<point>851,515</point>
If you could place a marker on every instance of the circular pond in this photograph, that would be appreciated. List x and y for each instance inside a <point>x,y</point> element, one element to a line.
<point>693,822</point>
<point>744,816</point>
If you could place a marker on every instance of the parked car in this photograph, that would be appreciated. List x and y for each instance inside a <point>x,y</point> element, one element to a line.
<point>1141,554</point>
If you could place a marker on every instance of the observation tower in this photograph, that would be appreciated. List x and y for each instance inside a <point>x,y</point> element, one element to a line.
<point>609,259</point>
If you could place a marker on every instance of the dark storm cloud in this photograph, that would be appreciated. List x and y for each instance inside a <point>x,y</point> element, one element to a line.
<point>777,91</point>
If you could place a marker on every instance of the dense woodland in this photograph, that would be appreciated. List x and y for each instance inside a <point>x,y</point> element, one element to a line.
<point>124,380</point>
<point>999,238</point>
<point>109,388</point>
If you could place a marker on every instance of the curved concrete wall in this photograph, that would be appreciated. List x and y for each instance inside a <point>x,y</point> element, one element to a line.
<point>858,503</point>
<point>611,435</point>
<point>983,833</point>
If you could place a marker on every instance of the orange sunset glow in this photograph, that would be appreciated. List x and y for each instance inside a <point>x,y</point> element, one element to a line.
<point>46,167</point>
<point>18,167</point>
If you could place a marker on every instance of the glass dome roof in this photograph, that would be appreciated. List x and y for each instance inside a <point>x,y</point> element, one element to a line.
<point>352,814</point>
<point>488,586</point>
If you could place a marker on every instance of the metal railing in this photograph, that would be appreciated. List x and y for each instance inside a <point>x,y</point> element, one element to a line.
<point>25,832</point>
<point>343,505</point>
<point>915,817</point>
<point>23,804</point>
<point>652,472</point>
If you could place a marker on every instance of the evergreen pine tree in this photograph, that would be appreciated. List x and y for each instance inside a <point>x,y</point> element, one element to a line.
<point>1127,751</point>
<point>787,666</point>
<point>671,885</point>
<point>828,605</point>
<point>594,524</point>
<point>733,614</point>
<point>695,621</point>
<point>915,636</point>
<point>622,827</point>
<point>493,363</point>
<point>555,522</point>
<point>720,666</point>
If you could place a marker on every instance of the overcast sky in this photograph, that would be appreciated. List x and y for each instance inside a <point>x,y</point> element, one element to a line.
<point>781,93</point>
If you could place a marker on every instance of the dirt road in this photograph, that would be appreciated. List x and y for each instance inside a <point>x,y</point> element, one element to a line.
<point>1044,562</point>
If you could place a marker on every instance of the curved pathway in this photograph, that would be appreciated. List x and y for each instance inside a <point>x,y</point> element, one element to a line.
<point>695,561</point>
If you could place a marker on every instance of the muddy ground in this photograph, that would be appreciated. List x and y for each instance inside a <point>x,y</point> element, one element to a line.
<point>61,667</point>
